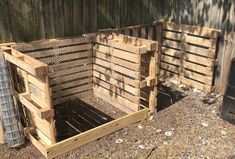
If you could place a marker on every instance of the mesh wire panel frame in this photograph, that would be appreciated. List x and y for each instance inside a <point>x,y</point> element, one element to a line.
<point>13,129</point>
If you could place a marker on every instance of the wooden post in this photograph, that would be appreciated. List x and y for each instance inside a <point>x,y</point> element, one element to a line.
<point>152,75</point>
<point>2,138</point>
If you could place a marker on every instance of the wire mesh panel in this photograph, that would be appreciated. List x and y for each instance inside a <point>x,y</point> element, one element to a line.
<point>69,62</point>
<point>9,110</point>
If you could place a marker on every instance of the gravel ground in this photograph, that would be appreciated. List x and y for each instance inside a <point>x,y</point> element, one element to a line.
<point>187,129</point>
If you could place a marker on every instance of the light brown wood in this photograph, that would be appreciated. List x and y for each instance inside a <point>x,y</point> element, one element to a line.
<point>42,113</point>
<point>197,30</point>
<point>26,63</point>
<point>93,134</point>
<point>118,43</point>
<point>2,137</point>
<point>50,43</point>
<point>116,98</point>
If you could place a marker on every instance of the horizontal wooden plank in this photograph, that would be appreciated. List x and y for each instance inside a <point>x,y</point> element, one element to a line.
<point>39,54</point>
<point>26,63</point>
<point>170,67</point>
<point>38,94</point>
<point>72,97</point>
<point>189,65</point>
<point>117,68</point>
<point>116,98</point>
<point>202,41</point>
<point>196,30</point>
<point>112,59</point>
<point>70,71</point>
<point>206,42</point>
<point>37,82</point>
<point>70,64</point>
<point>172,44</point>
<point>93,134</point>
<point>70,84</point>
<point>69,91</point>
<point>51,43</point>
<point>117,53</point>
<point>116,76</point>
<point>116,83</point>
<point>189,57</point>
<point>195,84</point>
<point>106,98</point>
<point>189,48</point>
<point>65,58</point>
<point>71,77</point>
<point>119,44</point>
<point>196,76</point>
<point>116,90</point>
<point>43,113</point>
<point>43,137</point>
<point>150,44</point>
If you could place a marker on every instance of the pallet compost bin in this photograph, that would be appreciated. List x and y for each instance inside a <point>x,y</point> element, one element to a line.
<point>119,69</point>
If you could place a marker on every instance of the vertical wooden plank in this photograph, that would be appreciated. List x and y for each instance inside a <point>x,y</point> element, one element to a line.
<point>59,17</point>
<point>77,17</point>
<point>2,138</point>
<point>27,11</point>
<point>86,15</point>
<point>116,14</point>
<point>93,16</point>
<point>123,13</point>
<point>153,88</point>
<point>101,14</point>
<point>227,55</point>
<point>5,26</point>
<point>39,18</point>
<point>15,19</point>
<point>68,17</point>
<point>150,32</point>
<point>231,21</point>
<point>49,19</point>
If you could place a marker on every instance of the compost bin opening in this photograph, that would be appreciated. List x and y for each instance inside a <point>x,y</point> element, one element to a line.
<point>82,114</point>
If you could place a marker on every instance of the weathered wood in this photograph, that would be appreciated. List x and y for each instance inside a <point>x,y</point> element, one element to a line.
<point>2,137</point>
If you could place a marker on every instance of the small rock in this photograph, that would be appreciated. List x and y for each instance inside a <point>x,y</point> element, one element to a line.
<point>213,112</point>
<point>223,132</point>
<point>195,90</point>
<point>204,124</point>
<point>104,118</point>
<point>119,141</point>
<point>114,112</point>
<point>141,146</point>
<point>140,126</point>
<point>169,133</point>
<point>158,130</point>
<point>151,118</point>
<point>165,143</point>
<point>182,86</point>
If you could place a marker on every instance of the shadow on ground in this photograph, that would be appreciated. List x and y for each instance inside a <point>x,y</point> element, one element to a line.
<point>167,96</point>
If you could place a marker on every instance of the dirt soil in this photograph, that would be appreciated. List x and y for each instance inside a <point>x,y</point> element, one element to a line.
<point>186,127</point>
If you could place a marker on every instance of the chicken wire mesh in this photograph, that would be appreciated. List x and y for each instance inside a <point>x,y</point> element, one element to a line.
<point>9,111</point>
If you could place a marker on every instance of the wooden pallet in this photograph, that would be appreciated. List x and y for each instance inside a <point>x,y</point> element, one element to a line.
<point>188,55</point>
<point>69,62</point>
<point>122,68</point>
<point>36,97</point>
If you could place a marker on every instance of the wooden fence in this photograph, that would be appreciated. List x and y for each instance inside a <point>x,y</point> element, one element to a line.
<point>27,20</point>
